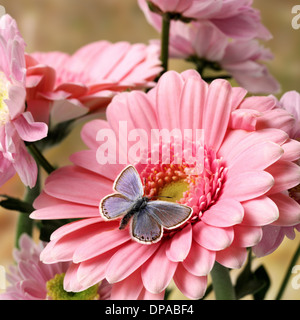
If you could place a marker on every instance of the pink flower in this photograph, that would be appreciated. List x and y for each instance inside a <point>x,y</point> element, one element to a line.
<point>68,86</point>
<point>244,161</point>
<point>240,58</point>
<point>29,277</point>
<point>235,18</point>
<point>16,123</point>
<point>274,234</point>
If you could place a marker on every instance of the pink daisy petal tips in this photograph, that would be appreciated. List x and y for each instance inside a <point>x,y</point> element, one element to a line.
<point>233,192</point>
<point>288,201</point>
<point>16,124</point>
<point>69,86</point>
<point>30,279</point>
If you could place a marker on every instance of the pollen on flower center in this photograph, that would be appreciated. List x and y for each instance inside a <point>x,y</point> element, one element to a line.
<point>55,290</point>
<point>4,112</point>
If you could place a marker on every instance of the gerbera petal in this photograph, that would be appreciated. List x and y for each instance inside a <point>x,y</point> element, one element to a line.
<point>272,237</point>
<point>260,211</point>
<point>128,259</point>
<point>180,244</point>
<point>160,266</point>
<point>129,288</point>
<point>291,150</point>
<point>232,257</point>
<point>65,211</point>
<point>77,185</point>
<point>193,95</point>
<point>248,185</point>
<point>199,261</point>
<point>245,236</point>
<point>191,286</point>
<point>217,113</point>
<point>168,104</point>
<point>289,210</point>
<point>212,238</point>
<point>100,243</point>
<point>286,175</point>
<point>257,157</point>
<point>225,213</point>
<point>92,271</point>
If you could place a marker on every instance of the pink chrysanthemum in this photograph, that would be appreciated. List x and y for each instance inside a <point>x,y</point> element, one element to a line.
<point>234,186</point>
<point>16,123</point>
<point>69,86</point>
<point>274,234</point>
<point>235,18</point>
<point>242,59</point>
<point>30,279</point>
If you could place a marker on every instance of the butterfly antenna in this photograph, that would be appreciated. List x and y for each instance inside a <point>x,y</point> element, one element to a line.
<point>150,198</point>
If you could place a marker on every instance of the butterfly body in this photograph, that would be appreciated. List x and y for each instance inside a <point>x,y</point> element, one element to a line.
<point>137,207</point>
<point>147,218</point>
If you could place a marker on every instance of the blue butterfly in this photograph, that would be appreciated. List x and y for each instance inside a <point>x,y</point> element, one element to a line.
<point>148,217</point>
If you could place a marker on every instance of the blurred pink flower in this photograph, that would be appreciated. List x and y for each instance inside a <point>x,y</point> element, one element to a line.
<point>69,86</point>
<point>29,276</point>
<point>274,234</point>
<point>246,161</point>
<point>240,58</point>
<point>235,18</point>
<point>16,123</point>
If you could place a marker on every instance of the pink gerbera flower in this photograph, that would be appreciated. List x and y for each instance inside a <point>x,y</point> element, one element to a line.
<point>30,279</point>
<point>16,123</point>
<point>69,86</point>
<point>274,234</point>
<point>203,42</point>
<point>235,18</point>
<point>244,160</point>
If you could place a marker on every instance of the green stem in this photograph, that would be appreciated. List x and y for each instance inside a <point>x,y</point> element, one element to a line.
<point>222,284</point>
<point>40,159</point>
<point>165,35</point>
<point>26,224</point>
<point>288,273</point>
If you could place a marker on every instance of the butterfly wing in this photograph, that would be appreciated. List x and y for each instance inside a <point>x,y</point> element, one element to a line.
<point>129,183</point>
<point>169,214</point>
<point>115,205</point>
<point>145,228</point>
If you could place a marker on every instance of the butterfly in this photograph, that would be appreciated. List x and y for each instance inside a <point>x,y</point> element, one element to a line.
<point>148,218</point>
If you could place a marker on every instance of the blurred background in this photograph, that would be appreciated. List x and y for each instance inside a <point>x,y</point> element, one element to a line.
<point>66,25</point>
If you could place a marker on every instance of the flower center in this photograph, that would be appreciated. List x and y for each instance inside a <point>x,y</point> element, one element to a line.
<point>196,183</point>
<point>4,112</point>
<point>55,290</point>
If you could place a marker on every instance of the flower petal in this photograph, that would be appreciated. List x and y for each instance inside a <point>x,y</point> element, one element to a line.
<point>289,210</point>
<point>191,286</point>
<point>128,289</point>
<point>127,259</point>
<point>212,238</point>
<point>248,185</point>
<point>158,271</point>
<point>199,261</point>
<point>217,112</point>
<point>180,245</point>
<point>225,213</point>
<point>232,257</point>
<point>260,211</point>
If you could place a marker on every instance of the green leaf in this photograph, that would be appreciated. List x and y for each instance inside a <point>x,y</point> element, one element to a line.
<point>47,227</point>
<point>263,276</point>
<point>11,203</point>
<point>256,283</point>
